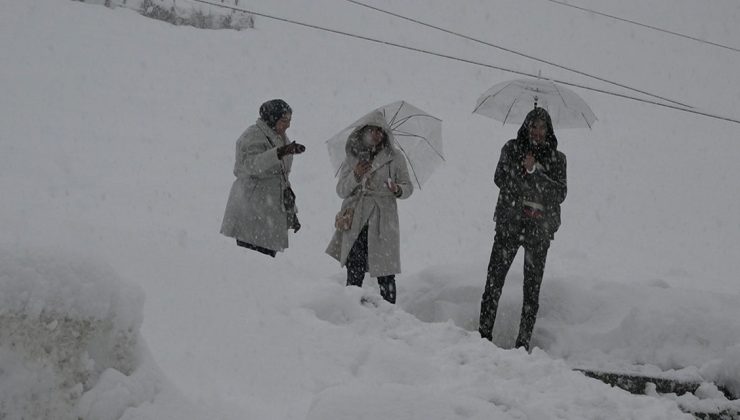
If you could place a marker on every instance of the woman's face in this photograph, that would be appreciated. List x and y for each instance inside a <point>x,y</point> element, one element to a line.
<point>373,135</point>
<point>283,124</point>
<point>538,131</point>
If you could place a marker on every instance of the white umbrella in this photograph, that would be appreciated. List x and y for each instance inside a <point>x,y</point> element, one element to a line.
<point>417,134</point>
<point>511,101</point>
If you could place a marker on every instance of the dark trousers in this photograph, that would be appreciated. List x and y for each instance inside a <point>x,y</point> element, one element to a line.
<point>357,267</point>
<point>257,248</point>
<point>505,247</point>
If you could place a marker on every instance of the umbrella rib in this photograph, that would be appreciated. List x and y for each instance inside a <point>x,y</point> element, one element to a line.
<point>566,105</point>
<point>510,108</point>
<point>401,133</point>
<point>482,103</point>
<point>341,165</point>
<point>586,119</point>
<point>410,165</point>
<point>403,120</point>
<point>404,134</point>
<point>390,123</point>
<point>560,94</point>
<point>491,96</point>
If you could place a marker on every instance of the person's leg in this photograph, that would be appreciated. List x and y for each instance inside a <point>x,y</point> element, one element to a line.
<point>357,260</point>
<point>502,254</point>
<point>387,285</point>
<point>535,256</point>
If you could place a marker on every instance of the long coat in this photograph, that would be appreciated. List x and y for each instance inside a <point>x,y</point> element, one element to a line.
<point>374,204</point>
<point>549,179</point>
<point>255,212</point>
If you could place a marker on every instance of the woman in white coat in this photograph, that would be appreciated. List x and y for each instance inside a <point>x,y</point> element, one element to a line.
<point>261,205</point>
<point>373,176</point>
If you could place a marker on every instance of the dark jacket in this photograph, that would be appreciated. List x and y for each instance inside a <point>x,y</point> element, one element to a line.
<point>512,180</point>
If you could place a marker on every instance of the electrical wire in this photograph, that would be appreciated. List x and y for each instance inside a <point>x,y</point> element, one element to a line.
<point>463,60</point>
<point>655,28</point>
<point>470,38</point>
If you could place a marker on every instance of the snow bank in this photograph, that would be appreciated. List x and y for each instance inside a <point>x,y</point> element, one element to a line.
<point>53,284</point>
<point>396,367</point>
<point>644,328</point>
<point>69,339</point>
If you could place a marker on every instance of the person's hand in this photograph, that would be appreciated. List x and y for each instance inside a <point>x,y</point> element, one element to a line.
<point>529,162</point>
<point>290,149</point>
<point>362,168</point>
<point>395,188</point>
<point>294,223</point>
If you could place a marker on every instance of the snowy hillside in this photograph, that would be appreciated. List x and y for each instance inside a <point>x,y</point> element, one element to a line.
<point>116,152</point>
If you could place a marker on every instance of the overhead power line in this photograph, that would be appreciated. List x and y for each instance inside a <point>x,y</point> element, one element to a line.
<point>509,50</point>
<point>655,28</point>
<point>463,60</point>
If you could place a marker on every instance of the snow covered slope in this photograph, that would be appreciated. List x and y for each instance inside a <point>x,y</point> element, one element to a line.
<point>117,143</point>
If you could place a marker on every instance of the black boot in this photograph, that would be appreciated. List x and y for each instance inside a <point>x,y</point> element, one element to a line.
<point>387,285</point>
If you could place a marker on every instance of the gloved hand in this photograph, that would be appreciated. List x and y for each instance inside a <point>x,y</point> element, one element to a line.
<point>361,169</point>
<point>529,163</point>
<point>294,223</point>
<point>290,149</point>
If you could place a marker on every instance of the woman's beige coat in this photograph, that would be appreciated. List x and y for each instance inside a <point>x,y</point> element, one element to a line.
<point>374,204</point>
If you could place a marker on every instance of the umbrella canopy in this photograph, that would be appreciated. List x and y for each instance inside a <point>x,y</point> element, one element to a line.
<point>509,102</point>
<point>415,133</point>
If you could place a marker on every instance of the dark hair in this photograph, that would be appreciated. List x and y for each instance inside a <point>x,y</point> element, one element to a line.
<point>368,127</point>
<point>357,147</point>
<point>537,114</point>
<point>271,111</point>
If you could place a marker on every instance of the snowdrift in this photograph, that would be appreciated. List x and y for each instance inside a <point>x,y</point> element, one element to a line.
<point>645,328</point>
<point>70,345</point>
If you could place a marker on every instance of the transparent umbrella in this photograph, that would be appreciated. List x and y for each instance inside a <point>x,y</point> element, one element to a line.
<point>417,134</point>
<point>511,101</point>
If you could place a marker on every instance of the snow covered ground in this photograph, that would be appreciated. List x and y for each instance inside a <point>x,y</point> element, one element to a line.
<point>116,155</point>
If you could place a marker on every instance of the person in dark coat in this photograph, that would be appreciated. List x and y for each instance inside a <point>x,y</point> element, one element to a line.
<point>261,204</point>
<point>531,177</point>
